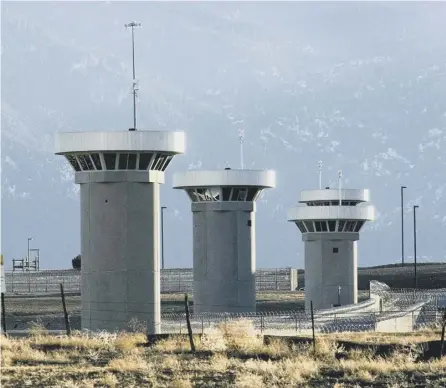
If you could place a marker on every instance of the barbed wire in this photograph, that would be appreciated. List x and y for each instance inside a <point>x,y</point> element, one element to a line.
<point>420,307</point>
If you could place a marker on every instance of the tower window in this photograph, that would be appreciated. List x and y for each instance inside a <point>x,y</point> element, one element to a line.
<point>73,161</point>
<point>226,193</point>
<point>335,250</point>
<point>96,161</point>
<point>301,226</point>
<point>110,160</point>
<point>309,225</point>
<point>131,164</point>
<point>123,159</point>
<point>251,194</point>
<point>144,160</point>
<point>83,162</point>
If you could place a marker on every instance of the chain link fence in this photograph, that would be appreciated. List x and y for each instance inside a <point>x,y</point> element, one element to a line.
<point>172,281</point>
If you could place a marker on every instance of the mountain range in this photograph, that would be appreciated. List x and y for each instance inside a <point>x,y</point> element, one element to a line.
<point>360,86</point>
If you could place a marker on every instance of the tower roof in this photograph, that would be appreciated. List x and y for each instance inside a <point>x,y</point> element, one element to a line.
<point>136,141</point>
<point>227,177</point>
<point>355,195</point>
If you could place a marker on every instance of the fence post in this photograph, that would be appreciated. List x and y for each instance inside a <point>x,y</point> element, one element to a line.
<point>443,325</point>
<point>261,324</point>
<point>312,327</point>
<point>276,281</point>
<point>202,326</point>
<point>189,328</point>
<point>3,314</point>
<point>29,283</point>
<point>65,312</point>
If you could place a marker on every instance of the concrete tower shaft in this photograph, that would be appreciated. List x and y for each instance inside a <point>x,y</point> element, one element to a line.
<point>119,174</point>
<point>223,207</point>
<point>330,221</point>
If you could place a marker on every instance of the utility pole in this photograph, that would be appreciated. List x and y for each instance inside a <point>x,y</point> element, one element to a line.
<point>135,88</point>
<point>402,225</point>
<point>162,236</point>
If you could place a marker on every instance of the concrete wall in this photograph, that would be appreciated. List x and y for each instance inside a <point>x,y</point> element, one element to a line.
<point>120,251</point>
<point>326,270</point>
<point>224,256</point>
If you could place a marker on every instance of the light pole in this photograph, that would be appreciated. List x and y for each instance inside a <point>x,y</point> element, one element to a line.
<point>402,224</point>
<point>162,236</point>
<point>415,244</point>
<point>27,257</point>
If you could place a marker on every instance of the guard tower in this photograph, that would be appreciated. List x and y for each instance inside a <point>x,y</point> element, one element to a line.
<point>330,222</point>
<point>119,175</point>
<point>223,207</point>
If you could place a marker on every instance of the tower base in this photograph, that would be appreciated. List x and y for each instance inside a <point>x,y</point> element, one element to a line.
<point>224,257</point>
<point>120,259</point>
<point>331,263</point>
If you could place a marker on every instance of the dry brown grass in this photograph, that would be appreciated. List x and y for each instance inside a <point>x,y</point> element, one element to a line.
<point>231,355</point>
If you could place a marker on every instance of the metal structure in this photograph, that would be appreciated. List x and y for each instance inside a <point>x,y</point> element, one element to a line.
<point>223,207</point>
<point>330,221</point>
<point>401,311</point>
<point>27,264</point>
<point>135,88</point>
<point>119,174</point>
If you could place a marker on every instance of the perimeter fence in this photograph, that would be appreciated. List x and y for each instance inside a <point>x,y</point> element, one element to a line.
<point>172,281</point>
<point>400,310</point>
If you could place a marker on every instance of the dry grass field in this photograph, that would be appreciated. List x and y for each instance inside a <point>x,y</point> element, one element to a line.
<point>232,355</point>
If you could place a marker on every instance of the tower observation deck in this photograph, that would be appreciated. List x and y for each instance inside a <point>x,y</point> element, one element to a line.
<point>330,222</point>
<point>223,207</point>
<point>119,174</point>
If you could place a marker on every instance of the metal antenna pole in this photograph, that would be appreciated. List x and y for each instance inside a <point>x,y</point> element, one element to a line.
<point>320,174</point>
<point>340,186</point>
<point>133,25</point>
<point>241,135</point>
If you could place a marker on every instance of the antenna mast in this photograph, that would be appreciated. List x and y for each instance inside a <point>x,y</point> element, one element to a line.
<point>340,186</point>
<point>241,136</point>
<point>135,87</point>
<point>320,174</point>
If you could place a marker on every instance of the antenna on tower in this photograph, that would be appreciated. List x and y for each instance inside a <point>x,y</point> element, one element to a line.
<point>340,186</point>
<point>241,136</point>
<point>320,174</point>
<point>135,87</point>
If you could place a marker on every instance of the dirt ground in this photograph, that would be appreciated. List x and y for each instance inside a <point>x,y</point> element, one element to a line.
<point>233,355</point>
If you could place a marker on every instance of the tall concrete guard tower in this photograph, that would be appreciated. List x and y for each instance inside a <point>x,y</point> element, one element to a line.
<point>119,175</point>
<point>223,207</point>
<point>330,222</point>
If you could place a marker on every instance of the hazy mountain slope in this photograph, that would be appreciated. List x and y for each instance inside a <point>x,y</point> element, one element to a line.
<point>360,86</point>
